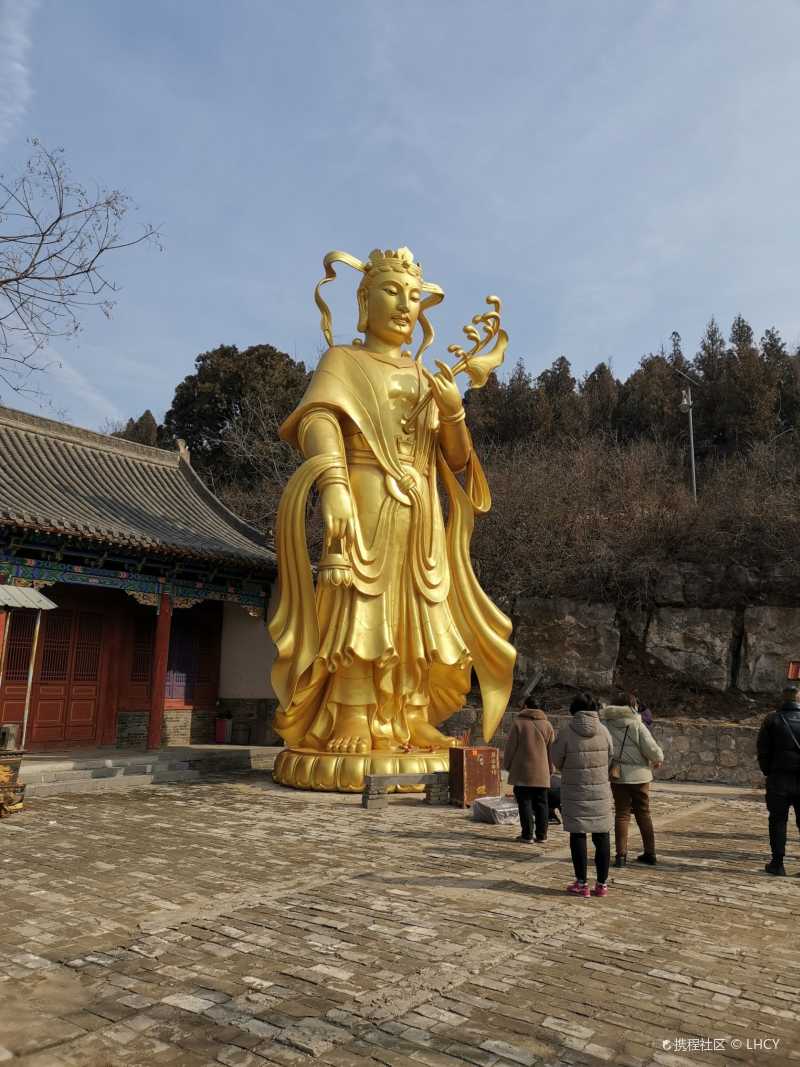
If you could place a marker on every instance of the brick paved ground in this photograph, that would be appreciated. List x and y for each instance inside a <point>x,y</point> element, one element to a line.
<point>235,922</point>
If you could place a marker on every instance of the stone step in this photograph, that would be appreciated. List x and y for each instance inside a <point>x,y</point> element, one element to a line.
<point>163,776</point>
<point>34,770</point>
<point>87,773</point>
<point>106,784</point>
<point>39,774</point>
<point>86,763</point>
<point>160,759</point>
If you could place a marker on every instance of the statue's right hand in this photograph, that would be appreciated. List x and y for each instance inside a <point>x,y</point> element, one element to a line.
<point>337,513</point>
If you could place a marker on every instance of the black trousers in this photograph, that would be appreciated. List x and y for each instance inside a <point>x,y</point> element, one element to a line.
<point>532,804</point>
<point>602,855</point>
<point>778,806</point>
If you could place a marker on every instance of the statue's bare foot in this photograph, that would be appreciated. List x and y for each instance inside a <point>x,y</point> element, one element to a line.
<point>350,732</point>
<point>423,735</point>
<point>348,744</point>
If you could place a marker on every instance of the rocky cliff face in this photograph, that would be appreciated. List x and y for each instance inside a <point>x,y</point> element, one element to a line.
<point>695,643</point>
<point>771,637</point>
<point>571,642</point>
<point>709,654</point>
<point>724,646</point>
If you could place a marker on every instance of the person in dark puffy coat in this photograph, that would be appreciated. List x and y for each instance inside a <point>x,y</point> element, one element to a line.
<point>582,752</point>
<point>527,760</point>
<point>778,750</point>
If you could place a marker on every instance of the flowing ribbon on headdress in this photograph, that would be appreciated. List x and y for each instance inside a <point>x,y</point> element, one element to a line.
<point>435,291</point>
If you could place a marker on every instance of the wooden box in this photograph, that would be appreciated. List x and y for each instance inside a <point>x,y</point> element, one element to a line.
<point>474,772</point>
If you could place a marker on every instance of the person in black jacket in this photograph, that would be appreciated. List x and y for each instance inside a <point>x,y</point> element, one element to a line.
<point>778,748</point>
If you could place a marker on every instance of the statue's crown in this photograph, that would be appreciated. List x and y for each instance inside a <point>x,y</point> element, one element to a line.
<point>400,259</point>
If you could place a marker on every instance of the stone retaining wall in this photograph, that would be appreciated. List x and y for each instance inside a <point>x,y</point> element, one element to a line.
<point>132,729</point>
<point>707,751</point>
<point>252,724</point>
<point>188,726</point>
<point>181,726</point>
<point>701,750</point>
<point>253,720</point>
<point>695,750</point>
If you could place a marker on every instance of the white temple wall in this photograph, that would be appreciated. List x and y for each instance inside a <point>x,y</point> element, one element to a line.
<point>246,655</point>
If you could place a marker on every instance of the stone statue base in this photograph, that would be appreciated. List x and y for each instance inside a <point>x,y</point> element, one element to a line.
<point>335,772</point>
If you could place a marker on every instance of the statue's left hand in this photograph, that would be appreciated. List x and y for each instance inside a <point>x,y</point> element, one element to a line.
<point>445,392</point>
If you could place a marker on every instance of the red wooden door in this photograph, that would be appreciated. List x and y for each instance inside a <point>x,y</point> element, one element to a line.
<point>67,680</point>
<point>66,693</point>
<point>21,624</point>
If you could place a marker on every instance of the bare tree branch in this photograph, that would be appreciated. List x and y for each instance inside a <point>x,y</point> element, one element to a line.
<point>53,236</point>
<point>252,441</point>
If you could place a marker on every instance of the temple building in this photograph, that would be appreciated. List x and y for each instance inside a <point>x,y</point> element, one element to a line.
<point>161,595</point>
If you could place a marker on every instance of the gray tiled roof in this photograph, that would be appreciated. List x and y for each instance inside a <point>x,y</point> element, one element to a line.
<point>64,480</point>
<point>17,596</point>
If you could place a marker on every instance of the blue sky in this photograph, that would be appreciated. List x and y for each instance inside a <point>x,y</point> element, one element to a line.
<point>613,171</point>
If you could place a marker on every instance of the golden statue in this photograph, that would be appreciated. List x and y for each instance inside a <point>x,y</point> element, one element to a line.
<point>382,652</point>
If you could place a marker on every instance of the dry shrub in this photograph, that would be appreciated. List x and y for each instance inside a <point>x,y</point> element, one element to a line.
<point>598,520</point>
<point>747,511</point>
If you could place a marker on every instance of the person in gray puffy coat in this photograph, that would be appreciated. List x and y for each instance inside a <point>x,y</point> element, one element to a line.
<point>582,752</point>
<point>635,752</point>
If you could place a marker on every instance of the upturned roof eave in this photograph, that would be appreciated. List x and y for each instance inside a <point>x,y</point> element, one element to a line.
<point>98,540</point>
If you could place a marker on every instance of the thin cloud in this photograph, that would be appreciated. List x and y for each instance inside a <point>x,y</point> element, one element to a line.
<point>66,382</point>
<point>15,44</point>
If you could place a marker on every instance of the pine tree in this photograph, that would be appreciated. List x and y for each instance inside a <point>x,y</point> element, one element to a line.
<point>144,430</point>
<point>558,402</point>
<point>752,394</point>
<point>650,399</point>
<point>600,392</point>
<point>786,369</point>
<point>517,416</point>
<point>483,410</point>
<point>710,366</point>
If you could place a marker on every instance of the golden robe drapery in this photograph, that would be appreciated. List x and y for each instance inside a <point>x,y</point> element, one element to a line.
<point>407,631</point>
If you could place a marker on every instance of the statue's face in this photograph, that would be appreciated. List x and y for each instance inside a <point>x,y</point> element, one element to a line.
<point>393,307</point>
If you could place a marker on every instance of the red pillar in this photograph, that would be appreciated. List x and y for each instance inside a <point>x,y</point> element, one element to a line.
<point>158,675</point>
<point>4,620</point>
<point>113,667</point>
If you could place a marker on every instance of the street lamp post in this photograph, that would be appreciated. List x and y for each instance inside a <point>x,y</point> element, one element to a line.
<point>686,408</point>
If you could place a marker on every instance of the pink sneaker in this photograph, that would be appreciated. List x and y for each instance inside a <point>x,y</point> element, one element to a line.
<point>600,890</point>
<point>578,889</point>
